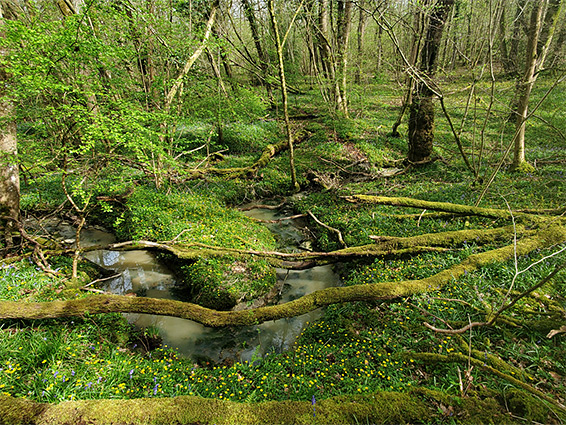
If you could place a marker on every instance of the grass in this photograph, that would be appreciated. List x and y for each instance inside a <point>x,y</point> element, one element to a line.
<point>354,348</point>
<point>76,360</point>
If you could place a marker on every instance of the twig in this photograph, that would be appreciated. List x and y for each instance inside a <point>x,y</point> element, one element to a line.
<point>457,138</point>
<point>491,321</point>
<point>420,216</point>
<point>208,156</point>
<point>102,280</point>
<point>278,220</point>
<point>178,236</point>
<point>98,291</point>
<point>326,226</point>
<point>263,207</point>
<point>188,152</point>
<point>422,310</point>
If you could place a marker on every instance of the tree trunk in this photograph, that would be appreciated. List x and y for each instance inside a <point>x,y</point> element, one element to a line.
<point>324,41</point>
<point>525,87</point>
<point>518,24</point>
<point>419,22</point>
<point>421,119</point>
<point>279,47</point>
<point>379,53</point>
<point>362,23</point>
<point>505,60</point>
<point>552,18</point>
<point>557,52</point>
<point>344,24</point>
<point>263,58</point>
<point>538,43</point>
<point>9,172</point>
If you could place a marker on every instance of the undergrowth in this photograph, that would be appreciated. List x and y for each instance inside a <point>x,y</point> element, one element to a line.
<point>359,347</point>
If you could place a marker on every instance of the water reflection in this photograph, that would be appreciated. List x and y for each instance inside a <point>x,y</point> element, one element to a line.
<point>142,274</point>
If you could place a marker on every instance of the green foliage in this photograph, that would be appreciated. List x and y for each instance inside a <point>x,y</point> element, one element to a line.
<point>237,137</point>
<point>222,282</point>
<point>23,278</point>
<point>73,118</point>
<point>154,215</point>
<point>218,283</point>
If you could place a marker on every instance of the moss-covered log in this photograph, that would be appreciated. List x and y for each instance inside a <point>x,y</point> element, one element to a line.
<point>251,170</point>
<point>467,360</point>
<point>376,408</point>
<point>442,206</point>
<point>385,290</point>
<point>384,245</point>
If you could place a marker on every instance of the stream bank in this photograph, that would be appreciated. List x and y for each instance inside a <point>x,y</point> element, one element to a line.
<point>142,274</point>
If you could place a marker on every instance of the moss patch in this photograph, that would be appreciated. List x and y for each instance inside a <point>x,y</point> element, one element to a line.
<point>376,408</point>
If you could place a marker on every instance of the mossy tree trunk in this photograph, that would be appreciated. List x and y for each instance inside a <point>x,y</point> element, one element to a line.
<point>9,173</point>
<point>421,118</point>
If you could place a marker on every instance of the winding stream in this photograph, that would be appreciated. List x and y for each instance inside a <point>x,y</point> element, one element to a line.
<point>142,274</point>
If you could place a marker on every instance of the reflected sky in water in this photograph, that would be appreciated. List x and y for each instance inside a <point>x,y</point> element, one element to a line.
<point>143,275</point>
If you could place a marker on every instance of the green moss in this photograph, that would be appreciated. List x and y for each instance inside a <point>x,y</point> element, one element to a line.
<point>214,282</point>
<point>524,167</point>
<point>19,411</point>
<point>526,406</point>
<point>419,405</point>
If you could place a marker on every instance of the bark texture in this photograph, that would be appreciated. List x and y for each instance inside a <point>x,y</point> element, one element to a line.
<point>421,119</point>
<point>9,172</point>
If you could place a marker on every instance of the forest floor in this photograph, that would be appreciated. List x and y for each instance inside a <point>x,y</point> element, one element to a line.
<point>375,361</point>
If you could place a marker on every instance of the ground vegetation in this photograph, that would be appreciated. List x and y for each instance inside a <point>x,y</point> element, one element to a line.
<point>156,122</point>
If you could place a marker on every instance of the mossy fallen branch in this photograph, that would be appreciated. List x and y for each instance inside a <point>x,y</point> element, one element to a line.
<point>384,290</point>
<point>442,206</point>
<point>251,170</point>
<point>383,246</point>
<point>375,408</point>
<point>464,359</point>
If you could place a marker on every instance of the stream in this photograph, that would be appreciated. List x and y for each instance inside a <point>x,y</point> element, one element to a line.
<point>142,274</point>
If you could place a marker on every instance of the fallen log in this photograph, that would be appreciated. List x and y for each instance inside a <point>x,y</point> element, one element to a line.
<point>443,206</point>
<point>97,304</point>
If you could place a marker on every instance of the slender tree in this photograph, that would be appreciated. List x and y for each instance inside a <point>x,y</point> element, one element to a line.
<point>9,173</point>
<point>418,26</point>
<point>344,28</point>
<point>538,43</point>
<point>324,40</point>
<point>263,57</point>
<point>362,24</point>
<point>279,44</point>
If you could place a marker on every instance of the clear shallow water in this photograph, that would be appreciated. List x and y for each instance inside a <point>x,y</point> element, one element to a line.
<point>142,274</point>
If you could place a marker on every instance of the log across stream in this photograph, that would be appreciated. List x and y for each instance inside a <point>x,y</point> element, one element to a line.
<point>143,275</point>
